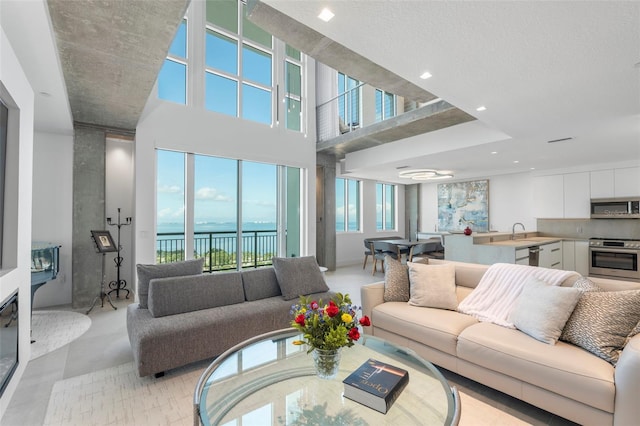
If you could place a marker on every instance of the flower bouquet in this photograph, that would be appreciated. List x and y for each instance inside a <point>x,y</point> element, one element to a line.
<point>327,328</point>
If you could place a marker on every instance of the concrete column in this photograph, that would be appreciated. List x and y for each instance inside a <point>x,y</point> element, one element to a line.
<point>326,211</point>
<point>411,210</point>
<point>88,212</point>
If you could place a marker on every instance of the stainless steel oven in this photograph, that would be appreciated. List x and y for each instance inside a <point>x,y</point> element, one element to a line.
<point>614,258</point>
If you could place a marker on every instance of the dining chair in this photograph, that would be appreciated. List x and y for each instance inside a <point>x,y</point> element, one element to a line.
<point>367,252</point>
<point>382,249</point>
<point>432,249</point>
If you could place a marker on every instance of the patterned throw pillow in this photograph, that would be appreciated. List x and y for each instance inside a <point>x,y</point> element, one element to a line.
<point>396,279</point>
<point>585,284</point>
<point>603,321</point>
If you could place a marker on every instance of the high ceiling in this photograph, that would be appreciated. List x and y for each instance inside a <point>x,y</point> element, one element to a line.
<point>543,70</point>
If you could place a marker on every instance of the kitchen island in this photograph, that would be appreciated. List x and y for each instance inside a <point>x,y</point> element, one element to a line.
<point>504,247</point>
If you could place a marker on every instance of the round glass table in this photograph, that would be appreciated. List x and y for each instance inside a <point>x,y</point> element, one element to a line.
<point>267,380</point>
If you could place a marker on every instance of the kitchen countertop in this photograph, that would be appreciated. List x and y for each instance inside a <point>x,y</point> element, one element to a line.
<point>522,239</point>
<point>524,242</point>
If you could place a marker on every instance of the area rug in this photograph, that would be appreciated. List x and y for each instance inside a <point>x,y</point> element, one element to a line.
<point>117,396</point>
<point>52,330</point>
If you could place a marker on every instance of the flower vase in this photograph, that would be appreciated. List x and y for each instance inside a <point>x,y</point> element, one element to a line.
<point>327,362</point>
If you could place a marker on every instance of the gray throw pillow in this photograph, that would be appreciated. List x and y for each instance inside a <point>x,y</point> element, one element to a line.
<point>542,310</point>
<point>603,321</point>
<point>175,269</point>
<point>260,283</point>
<point>396,279</point>
<point>298,276</point>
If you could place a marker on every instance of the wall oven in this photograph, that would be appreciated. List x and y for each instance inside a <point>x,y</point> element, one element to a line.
<point>614,258</point>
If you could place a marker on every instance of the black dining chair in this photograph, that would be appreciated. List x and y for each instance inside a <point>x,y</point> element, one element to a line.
<point>382,249</point>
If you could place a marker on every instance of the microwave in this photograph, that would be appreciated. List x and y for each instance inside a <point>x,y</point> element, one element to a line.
<point>615,208</point>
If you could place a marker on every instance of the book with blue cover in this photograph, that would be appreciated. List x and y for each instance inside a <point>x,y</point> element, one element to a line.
<point>376,384</point>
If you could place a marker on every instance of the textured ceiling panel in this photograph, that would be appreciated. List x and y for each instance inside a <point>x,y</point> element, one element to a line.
<point>111,52</point>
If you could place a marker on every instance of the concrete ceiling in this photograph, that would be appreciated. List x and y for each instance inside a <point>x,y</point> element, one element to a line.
<point>543,70</point>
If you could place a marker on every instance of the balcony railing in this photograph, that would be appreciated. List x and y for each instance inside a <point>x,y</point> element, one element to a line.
<point>219,248</point>
<point>339,115</point>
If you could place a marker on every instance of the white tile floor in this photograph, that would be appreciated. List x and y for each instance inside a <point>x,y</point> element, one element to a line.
<point>106,345</point>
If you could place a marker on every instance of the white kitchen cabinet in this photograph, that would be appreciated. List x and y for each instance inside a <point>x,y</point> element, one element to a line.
<point>548,196</point>
<point>627,182</point>
<point>522,256</point>
<point>602,184</point>
<point>568,255</point>
<point>550,255</point>
<point>577,194</point>
<point>582,257</point>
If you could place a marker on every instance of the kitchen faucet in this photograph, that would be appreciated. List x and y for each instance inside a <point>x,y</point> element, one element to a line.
<point>513,230</point>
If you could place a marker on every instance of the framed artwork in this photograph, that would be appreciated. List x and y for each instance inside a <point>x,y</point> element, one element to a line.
<point>104,241</point>
<point>463,204</point>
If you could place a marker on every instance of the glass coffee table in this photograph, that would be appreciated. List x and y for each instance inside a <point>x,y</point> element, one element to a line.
<point>267,380</point>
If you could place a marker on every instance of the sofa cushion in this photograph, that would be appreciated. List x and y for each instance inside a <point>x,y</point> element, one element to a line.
<point>176,295</point>
<point>433,286</point>
<point>436,328</point>
<point>542,310</point>
<point>562,368</point>
<point>298,276</point>
<point>175,269</point>
<point>260,283</point>
<point>602,322</point>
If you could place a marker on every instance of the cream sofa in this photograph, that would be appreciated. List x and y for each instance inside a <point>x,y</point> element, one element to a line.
<point>563,379</point>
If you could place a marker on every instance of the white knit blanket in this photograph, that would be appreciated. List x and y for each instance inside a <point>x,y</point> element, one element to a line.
<point>498,289</point>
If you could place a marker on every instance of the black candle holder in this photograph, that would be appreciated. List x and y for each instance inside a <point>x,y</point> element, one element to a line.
<point>119,284</point>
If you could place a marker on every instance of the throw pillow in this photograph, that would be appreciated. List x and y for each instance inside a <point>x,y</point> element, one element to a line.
<point>433,286</point>
<point>298,276</point>
<point>542,310</point>
<point>396,279</point>
<point>602,322</point>
<point>585,284</point>
<point>175,269</point>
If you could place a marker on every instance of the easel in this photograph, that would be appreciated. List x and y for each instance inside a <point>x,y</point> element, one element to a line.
<point>119,284</point>
<point>104,244</point>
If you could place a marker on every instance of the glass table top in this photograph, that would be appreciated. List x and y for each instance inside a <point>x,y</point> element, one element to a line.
<point>268,380</point>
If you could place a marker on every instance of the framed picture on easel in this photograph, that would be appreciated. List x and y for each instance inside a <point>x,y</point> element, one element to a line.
<point>104,241</point>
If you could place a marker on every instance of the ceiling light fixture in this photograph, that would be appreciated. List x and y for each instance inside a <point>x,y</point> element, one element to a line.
<point>481,108</point>
<point>426,174</point>
<point>326,15</point>
<point>425,75</point>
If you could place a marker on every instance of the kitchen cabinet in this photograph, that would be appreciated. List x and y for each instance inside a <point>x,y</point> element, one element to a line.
<point>577,195</point>
<point>522,256</point>
<point>575,256</point>
<point>550,255</point>
<point>623,182</point>
<point>627,182</point>
<point>548,196</point>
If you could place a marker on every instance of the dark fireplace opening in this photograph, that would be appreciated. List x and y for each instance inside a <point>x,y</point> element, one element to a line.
<point>8,340</point>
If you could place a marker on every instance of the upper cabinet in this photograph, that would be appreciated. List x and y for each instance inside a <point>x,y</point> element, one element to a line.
<point>568,195</point>
<point>616,183</point>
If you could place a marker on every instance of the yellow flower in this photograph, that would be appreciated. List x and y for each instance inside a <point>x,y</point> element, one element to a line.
<point>298,342</point>
<point>346,318</point>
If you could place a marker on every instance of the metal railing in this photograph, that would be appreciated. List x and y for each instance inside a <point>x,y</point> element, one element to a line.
<point>219,248</point>
<point>340,114</point>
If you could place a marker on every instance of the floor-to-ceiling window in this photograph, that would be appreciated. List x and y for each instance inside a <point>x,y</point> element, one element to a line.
<point>385,207</point>
<point>172,80</point>
<point>385,105</point>
<point>238,207</point>
<point>347,205</point>
<point>349,100</point>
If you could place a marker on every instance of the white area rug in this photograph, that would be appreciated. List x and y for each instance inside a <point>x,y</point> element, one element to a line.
<point>52,330</point>
<point>117,396</point>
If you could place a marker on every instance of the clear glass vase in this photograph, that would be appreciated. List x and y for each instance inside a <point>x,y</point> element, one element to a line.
<point>327,362</point>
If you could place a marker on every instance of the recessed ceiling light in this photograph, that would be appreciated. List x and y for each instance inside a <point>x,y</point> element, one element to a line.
<point>516,161</point>
<point>326,15</point>
<point>494,152</point>
<point>425,75</point>
<point>481,108</point>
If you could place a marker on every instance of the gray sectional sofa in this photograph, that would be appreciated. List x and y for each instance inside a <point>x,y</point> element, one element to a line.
<point>562,378</point>
<point>183,316</point>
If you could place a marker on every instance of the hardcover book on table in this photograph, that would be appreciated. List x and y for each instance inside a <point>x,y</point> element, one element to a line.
<point>376,384</point>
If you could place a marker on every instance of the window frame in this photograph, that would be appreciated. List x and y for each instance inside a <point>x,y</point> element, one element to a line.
<point>346,200</point>
<point>383,202</point>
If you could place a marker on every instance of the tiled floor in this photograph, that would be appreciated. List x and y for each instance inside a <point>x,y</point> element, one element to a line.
<point>106,345</point>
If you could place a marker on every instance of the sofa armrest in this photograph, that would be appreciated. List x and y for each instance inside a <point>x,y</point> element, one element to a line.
<point>372,295</point>
<point>627,379</point>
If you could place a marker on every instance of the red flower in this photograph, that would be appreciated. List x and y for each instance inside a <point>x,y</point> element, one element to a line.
<point>314,305</point>
<point>354,334</point>
<point>300,319</point>
<point>365,321</point>
<point>332,310</point>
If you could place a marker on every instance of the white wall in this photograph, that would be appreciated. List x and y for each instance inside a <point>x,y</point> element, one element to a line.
<point>510,201</point>
<point>119,194</point>
<point>52,210</point>
<point>17,93</point>
<point>349,245</point>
